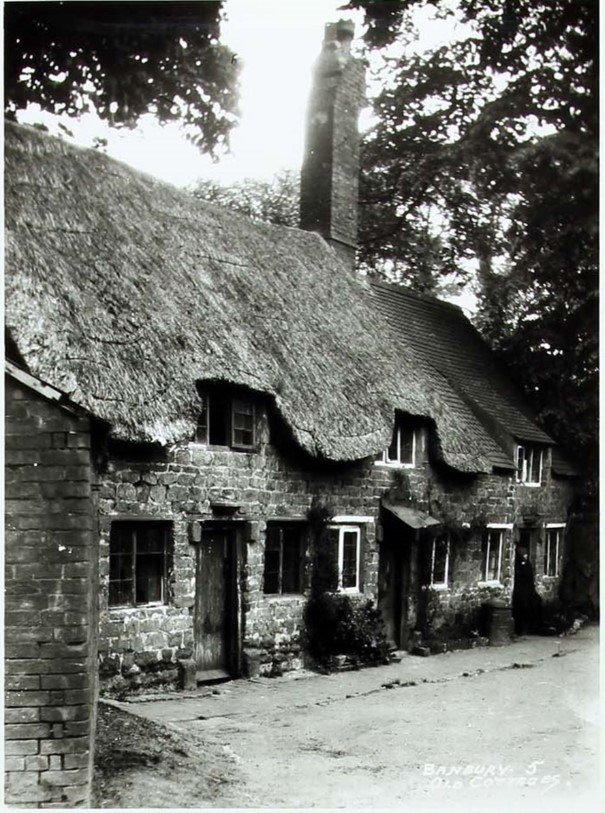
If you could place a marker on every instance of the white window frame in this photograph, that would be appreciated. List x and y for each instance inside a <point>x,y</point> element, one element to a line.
<point>440,585</point>
<point>559,527</point>
<point>501,529</point>
<point>342,529</point>
<point>398,463</point>
<point>351,519</point>
<point>528,451</point>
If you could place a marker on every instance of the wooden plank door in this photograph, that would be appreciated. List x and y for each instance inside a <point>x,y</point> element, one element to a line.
<point>404,587</point>
<point>394,581</point>
<point>213,627</point>
<point>388,592</point>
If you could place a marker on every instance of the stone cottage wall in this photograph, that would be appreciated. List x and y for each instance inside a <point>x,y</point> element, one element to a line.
<point>181,488</point>
<point>50,629</point>
<point>467,504</point>
<point>266,485</point>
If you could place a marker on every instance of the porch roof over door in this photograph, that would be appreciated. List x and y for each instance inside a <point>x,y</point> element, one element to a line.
<point>412,517</point>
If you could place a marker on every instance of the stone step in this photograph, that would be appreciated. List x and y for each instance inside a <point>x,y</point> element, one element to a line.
<point>212,675</point>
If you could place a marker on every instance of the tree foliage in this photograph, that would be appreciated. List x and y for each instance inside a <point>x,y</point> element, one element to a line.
<point>124,60</point>
<point>272,201</point>
<point>484,160</point>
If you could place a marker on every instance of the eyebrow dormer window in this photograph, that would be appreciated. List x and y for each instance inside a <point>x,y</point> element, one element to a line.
<point>227,420</point>
<point>402,451</point>
<point>530,461</point>
<point>243,424</point>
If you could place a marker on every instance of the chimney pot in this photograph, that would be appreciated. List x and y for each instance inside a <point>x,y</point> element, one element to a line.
<point>342,30</point>
<point>338,36</point>
<point>345,30</point>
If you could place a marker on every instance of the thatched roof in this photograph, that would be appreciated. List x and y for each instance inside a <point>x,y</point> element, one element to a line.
<point>124,292</point>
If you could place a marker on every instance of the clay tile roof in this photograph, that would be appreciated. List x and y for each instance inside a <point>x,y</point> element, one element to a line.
<point>441,335</point>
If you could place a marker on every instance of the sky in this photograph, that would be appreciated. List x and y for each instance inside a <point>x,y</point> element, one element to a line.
<point>276,43</point>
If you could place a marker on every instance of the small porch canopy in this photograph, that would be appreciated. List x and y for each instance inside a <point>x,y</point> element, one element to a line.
<point>412,517</point>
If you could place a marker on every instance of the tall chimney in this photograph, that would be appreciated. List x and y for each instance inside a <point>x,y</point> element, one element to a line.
<point>330,172</point>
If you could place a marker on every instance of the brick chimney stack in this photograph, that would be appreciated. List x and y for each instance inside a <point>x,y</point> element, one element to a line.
<point>330,171</point>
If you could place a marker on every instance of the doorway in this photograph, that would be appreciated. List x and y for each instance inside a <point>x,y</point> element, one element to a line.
<point>394,578</point>
<point>528,538</point>
<point>215,623</point>
<point>526,602</point>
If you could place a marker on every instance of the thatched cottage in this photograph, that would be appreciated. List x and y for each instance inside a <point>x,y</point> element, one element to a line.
<point>242,381</point>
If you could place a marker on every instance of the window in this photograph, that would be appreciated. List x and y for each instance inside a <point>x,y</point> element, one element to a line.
<point>552,550</point>
<point>344,543</point>
<point>440,560</point>
<point>227,420</point>
<point>242,423</point>
<point>402,451</point>
<point>139,563</point>
<point>284,558</point>
<point>492,555</point>
<point>529,465</point>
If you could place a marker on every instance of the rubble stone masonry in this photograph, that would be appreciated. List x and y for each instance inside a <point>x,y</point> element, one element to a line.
<point>269,484</point>
<point>50,623</point>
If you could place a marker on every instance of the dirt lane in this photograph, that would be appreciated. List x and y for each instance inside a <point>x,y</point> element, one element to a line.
<point>509,739</point>
<point>384,750</point>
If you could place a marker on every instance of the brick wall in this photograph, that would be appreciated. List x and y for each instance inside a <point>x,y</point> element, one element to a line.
<point>268,484</point>
<point>50,629</point>
<point>330,173</point>
<point>348,97</point>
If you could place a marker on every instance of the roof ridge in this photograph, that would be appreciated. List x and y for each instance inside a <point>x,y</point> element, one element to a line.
<point>45,136</point>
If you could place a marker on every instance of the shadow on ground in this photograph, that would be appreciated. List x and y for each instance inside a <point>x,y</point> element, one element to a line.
<point>140,764</point>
